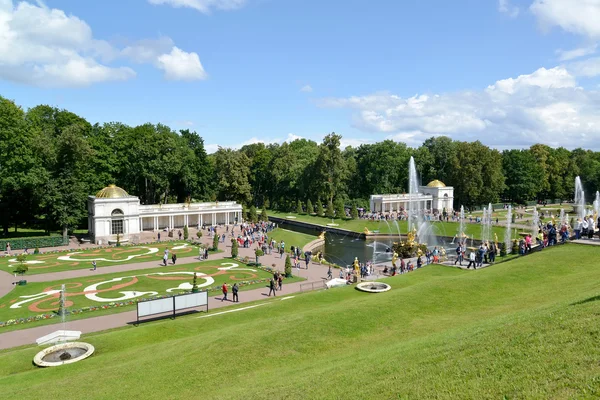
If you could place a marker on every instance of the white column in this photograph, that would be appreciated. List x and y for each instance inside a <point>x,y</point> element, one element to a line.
<point>214,218</point>
<point>171,218</point>
<point>185,220</point>
<point>201,220</point>
<point>155,225</point>
<point>227,218</point>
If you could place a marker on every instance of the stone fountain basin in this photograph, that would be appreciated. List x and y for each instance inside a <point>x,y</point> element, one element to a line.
<point>373,287</point>
<point>51,357</point>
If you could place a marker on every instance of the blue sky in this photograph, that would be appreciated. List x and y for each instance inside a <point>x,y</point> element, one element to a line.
<point>508,73</point>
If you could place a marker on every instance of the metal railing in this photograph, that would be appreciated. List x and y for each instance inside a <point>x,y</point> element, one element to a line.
<point>316,285</point>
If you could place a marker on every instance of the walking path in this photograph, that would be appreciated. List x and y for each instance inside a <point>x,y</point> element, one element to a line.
<point>22,337</point>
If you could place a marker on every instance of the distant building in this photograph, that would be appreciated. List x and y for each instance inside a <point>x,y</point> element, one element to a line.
<point>112,211</point>
<point>434,197</point>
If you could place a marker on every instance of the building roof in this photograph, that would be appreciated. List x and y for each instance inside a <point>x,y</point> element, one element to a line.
<point>111,192</point>
<point>436,183</point>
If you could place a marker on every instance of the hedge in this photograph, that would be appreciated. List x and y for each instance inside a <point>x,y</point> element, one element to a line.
<point>33,242</point>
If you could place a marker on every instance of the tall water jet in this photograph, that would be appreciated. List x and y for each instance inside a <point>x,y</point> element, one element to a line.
<point>486,224</point>
<point>597,204</point>
<point>508,232</point>
<point>535,223</point>
<point>562,218</point>
<point>579,199</point>
<point>461,227</point>
<point>416,218</point>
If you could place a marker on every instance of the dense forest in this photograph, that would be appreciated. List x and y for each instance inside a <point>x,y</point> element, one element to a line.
<point>52,159</point>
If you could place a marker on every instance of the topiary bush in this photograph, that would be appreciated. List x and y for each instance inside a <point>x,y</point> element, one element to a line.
<point>216,242</point>
<point>330,213</point>
<point>319,210</point>
<point>234,248</point>
<point>299,209</point>
<point>288,267</point>
<point>186,233</point>
<point>309,207</point>
<point>502,249</point>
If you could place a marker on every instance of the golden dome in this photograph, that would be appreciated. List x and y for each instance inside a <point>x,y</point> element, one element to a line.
<point>436,183</point>
<point>111,192</point>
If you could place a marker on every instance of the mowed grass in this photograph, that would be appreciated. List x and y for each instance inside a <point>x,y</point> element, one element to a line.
<point>111,256</point>
<point>291,238</point>
<point>522,329</point>
<point>140,281</point>
<point>448,229</point>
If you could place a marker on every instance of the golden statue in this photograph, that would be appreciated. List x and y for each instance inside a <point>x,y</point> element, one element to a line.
<point>394,259</point>
<point>443,254</point>
<point>367,231</point>
<point>419,252</point>
<point>356,266</point>
<point>496,240</point>
<point>411,235</point>
<point>322,235</point>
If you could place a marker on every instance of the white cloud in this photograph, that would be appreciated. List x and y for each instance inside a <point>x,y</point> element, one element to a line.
<point>575,16</point>
<point>180,65</point>
<point>587,68</point>
<point>546,106</point>
<point>204,6</point>
<point>505,7</point>
<point>566,55</point>
<point>45,47</point>
<point>353,142</point>
<point>306,89</point>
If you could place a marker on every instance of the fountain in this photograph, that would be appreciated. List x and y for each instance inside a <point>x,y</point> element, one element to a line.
<point>507,231</point>
<point>579,199</point>
<point>373,287</point>
<point>461,227</point>
<point>63,351</point>
<point>562,219</point>
<point>597,204</point>
<point>416,220</point>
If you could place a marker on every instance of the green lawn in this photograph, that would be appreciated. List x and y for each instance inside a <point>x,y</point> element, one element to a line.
<point>51,262</point>
<point>146,283</point>
<point>291,238</point>
<point>448,229</point>
<point>527,328</point>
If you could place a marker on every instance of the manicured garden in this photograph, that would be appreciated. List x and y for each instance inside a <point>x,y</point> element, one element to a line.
<point>65,260</point>
<point>522,329</point>
<point>291,238</point>
<point>120,291</point>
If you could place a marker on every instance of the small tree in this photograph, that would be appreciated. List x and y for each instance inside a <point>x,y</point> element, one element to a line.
<point>353,211</point>
<point>502,249</point>
<point>195,284</point>
<point>252,214</point>
<point>299,209</point>
<point>244,213</point>
<point>288,267</point>
<point>330,212</point>
<point>263,215</point>
<point>319,208</point>
<point>22,266</point>
<point>234,248</point>
<point>216,243</point>
<point>515,247</point>
<point>258,253</point>
<point>199,234</point>
<point>309,207</point>
<point>340,211</point>
<point>118,240</point>
<point>513,217</point>
<point>186,233</point>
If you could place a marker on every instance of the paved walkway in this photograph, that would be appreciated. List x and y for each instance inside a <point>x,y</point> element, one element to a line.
<point>315,273</point>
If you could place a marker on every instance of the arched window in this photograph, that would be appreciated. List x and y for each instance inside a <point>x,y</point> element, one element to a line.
<point>117,222</point>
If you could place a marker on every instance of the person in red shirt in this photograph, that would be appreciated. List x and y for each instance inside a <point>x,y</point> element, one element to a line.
<point>224,291</point>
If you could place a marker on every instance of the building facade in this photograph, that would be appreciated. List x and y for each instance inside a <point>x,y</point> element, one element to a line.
<point>434,197</point>
<point>112,211</point>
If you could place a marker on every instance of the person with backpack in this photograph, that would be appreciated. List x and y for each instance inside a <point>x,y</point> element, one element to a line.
<point>224,289</point>
<point>459,255</point>
<point>235,290</point>
<point>272,287</point>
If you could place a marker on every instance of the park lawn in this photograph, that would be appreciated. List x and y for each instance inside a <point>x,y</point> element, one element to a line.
<point>139,281</point>
<point>448,229</point>
<point>291,238</point>
<point>49,262</point>
<point>521,329</point>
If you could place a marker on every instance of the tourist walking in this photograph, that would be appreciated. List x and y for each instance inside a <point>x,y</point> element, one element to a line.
<point>272,287</point>
<point>165,258</point>
<point>472,260</point>
<point>234,290</point>
<point>174,258</point>
<point>94,265</point>
<point>158,236</point>
<point>459,255</point>
<point>8,249</point>
<point>280,282</point>
<point>224,289</point>
<point>179,235</point>
<point>329,274</point>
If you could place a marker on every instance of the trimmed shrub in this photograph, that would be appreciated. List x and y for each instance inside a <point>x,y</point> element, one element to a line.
<point>288,267</point>
<point>309,207</point>
<point>234,248</point>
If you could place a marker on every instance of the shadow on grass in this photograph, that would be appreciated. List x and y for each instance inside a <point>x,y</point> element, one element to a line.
<point>588,300</point>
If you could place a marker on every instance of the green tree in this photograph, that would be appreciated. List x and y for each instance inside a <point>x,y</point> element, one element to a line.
<point>353,211</point>
<point>252,214</point>
<point>234,248</point>
<point>309,207</point>
<point>216,242</point>
<point>263,215</point>
<point>186,232</point>
<point>299,209</point>
<point>330,213</point>
<point>288,267</point>
<point>258,253</point>
<point>340,211</point>
<point>330,171</point>
<point>319,208</point>
<point>232,172</point>
<point>522,173</point>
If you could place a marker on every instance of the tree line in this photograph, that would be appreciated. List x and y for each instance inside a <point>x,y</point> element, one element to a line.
<point>52,159</point>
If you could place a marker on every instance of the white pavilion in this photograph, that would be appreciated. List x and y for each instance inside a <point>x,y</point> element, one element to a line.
<point>112,211</point>
<point>435,197</point>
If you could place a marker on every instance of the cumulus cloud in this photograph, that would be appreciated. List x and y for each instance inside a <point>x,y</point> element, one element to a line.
<point>45,47</point>
<point>505,7</point>
<point>580,17</point>
<point>204,6</point>
<point>546,106</point>
<point>180,65</point>
<point>586,68</point>
<point>306,89</point>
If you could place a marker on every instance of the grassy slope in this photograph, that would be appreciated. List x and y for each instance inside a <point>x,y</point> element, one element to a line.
<point>291,238</point>
<point>358,225</point>
<point>519,329</point>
